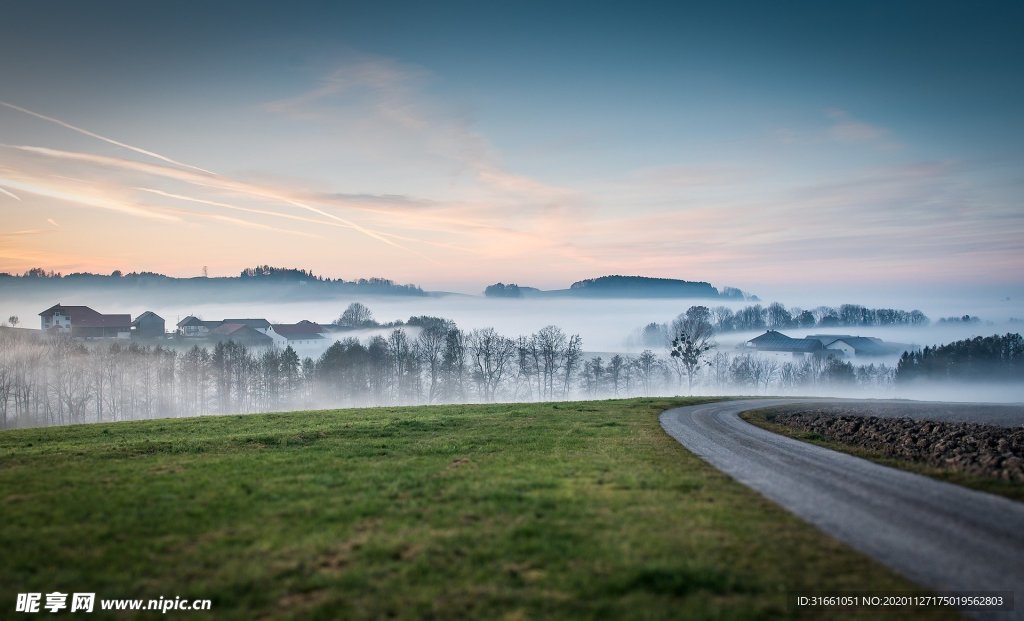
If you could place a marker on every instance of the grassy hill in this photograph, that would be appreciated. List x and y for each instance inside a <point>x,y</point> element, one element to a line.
<point>566,510</point>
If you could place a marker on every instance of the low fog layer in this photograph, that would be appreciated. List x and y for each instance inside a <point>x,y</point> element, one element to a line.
<point>466,349</point>
<point>604,324</point>
<point>54,379</point>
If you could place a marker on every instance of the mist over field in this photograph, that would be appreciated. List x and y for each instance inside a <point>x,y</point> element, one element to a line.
<point>457,348</point>
<point>606,324</point>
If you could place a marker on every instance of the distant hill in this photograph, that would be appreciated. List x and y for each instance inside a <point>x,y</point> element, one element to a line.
<point>501,290</point>
<point>623,287</point>
<point>642,286</point>
<point>258,283</point>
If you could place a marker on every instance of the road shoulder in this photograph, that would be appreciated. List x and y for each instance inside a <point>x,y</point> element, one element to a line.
<point>767,418</point>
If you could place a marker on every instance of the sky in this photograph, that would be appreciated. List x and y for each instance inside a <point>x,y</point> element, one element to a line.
<point>783,146</point>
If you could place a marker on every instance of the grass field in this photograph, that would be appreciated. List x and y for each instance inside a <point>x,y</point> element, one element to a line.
<point>544,511</point>
<point>1009,489</point>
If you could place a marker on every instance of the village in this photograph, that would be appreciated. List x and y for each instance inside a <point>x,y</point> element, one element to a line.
<point>307,338</point>
<point>310,339</point>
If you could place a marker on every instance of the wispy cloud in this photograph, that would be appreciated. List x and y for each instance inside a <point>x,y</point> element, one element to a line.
<point>838,127</point>
<point>87,197</point>
<point>212,181</point>
<point>370,102</point>
<point>717,217</point>
<point>117,143</point>
<point>6,192</point>
<point>849,130</point>
<point>262,212</point>
<point>377,103</point>
<point>23,232</point>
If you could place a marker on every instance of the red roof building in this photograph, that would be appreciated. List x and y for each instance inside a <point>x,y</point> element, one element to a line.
<point>84,322</point>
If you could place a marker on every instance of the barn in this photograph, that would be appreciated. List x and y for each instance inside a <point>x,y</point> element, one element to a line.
<point>85,323</point>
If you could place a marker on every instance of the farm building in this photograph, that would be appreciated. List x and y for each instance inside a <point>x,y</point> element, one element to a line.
<point>194,327</point>
<point>148,325</point>
<point>263,327</point>
<point>241,334</point>
<point>305,337</point>
<point>777,342</point>
<point>863,346</point>
<point>303,333</point>
<point>83,322</point>
<point>842,345</point>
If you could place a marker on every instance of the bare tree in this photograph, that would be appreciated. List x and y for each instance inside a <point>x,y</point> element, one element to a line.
<point>7,375</point>
<point>776,316</point>
<point>767,371</point>
<point>720,369</point>
<point>453,365</point>
<point>356,316</point>
<point>646,365</point>
<point>573,355</point>
<point>614,373</point>
<point>493,356</point>
<point>403,361</point>
<point>691,341</point>
<point>431,342</point>
<point>549,351</point>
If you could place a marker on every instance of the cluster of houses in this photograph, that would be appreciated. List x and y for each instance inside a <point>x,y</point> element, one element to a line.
<point>840,345</point>
<point>310,338</point>
<point>254,332</point>
<point>85,323</point>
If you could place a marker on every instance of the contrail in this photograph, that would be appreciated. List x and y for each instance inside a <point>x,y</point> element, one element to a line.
<point>288,216</point>
<point>11,194</point>
<point>104,138</point>
<point>341,222</point>
<point>262,212</point>
<point>263,193</point>
<point>89,200</point>
<point>209,180</point>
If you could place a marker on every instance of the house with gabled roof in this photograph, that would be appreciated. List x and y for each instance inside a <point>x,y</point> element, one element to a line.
<point>263,327</point>
<point>863,346</point>
<point>84,322</point>
<point>148,325</point>
<point>843,345</point>
<point>302,333</point>
<point>229,329</point>
<point>194,327</point>
<point>773,341</point>
<point>241,334</point>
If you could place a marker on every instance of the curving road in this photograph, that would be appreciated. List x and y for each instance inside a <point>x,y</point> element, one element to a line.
<point>942,536</point>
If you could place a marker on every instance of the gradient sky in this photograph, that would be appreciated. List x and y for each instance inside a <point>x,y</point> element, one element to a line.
<point>768,144</point>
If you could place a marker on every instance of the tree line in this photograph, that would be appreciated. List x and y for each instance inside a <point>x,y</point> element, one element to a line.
<point>989,358</point>
<point>775,316</point>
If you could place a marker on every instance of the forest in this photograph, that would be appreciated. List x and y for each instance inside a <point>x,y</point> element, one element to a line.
<point>990,358</point>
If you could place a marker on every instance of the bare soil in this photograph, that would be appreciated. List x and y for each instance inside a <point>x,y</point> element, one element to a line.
<point>970,448</point>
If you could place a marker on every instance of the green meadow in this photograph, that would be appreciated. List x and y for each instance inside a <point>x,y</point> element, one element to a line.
<point>529,511</point>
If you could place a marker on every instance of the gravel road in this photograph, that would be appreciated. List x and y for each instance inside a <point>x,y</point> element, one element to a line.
<point>941,536</point>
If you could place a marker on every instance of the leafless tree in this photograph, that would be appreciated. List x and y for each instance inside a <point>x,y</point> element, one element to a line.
<point>431,347</point>
<point>646,366</point>
<point>493,357</point>
<point>355,316</point>
<point>691,341</point>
